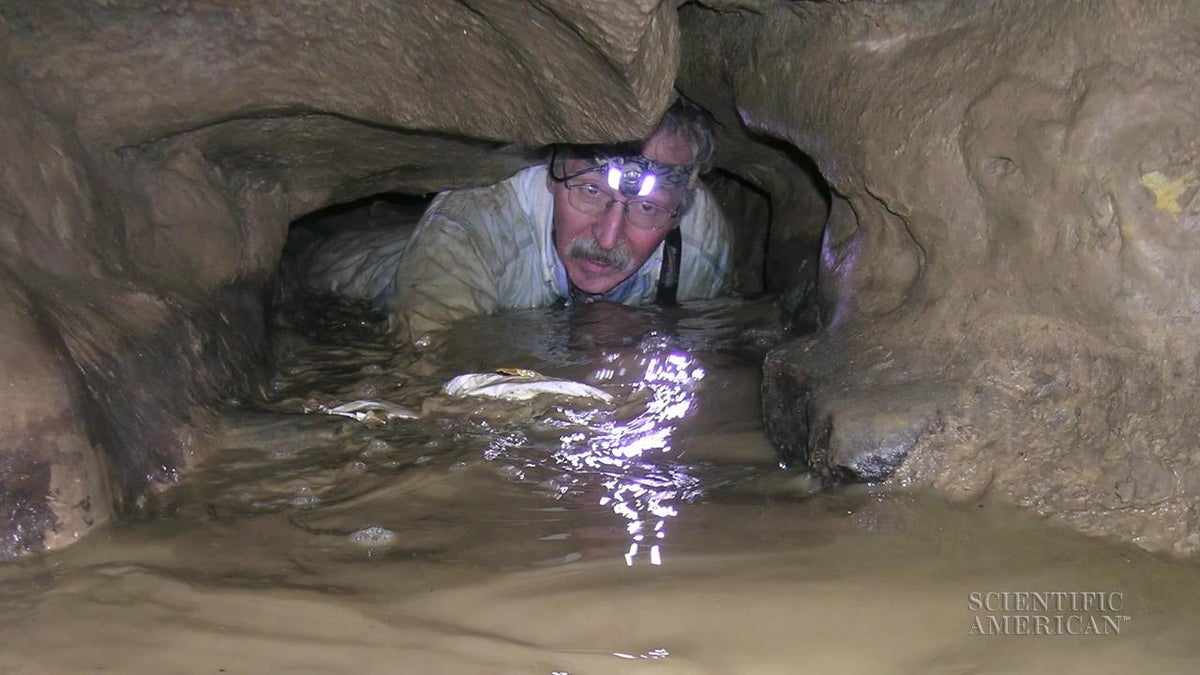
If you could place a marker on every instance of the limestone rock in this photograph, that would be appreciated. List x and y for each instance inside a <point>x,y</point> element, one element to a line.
<point>1016,216</point>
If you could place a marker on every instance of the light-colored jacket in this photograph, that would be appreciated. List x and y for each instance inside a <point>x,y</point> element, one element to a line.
<point>479,250</point>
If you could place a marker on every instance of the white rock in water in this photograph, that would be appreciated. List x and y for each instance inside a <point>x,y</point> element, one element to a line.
<point>363,407</point>
<point>373,535</point>
<point>520,387</point>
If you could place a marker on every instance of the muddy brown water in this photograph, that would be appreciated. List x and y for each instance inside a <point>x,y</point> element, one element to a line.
<point>654,535</point>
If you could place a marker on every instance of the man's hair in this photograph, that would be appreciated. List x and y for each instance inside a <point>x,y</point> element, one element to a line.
<point>690,121</point>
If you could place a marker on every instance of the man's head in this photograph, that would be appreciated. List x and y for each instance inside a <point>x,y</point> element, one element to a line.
<point>614,205</point>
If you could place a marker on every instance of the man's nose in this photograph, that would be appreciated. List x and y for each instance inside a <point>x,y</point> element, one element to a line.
<point>609,226</point>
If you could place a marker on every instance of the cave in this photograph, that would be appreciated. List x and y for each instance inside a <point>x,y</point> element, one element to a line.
<point>976,221</point>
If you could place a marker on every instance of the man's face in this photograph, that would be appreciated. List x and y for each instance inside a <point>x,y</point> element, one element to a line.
<point>602,250</point>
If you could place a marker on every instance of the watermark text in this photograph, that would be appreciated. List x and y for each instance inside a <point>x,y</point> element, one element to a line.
<point>1046,612</point>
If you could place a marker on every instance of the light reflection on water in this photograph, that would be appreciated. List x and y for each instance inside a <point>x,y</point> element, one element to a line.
<point>618,470</point>
<point>621,458</point>
<point>638,487</point>
<point>627,461</point>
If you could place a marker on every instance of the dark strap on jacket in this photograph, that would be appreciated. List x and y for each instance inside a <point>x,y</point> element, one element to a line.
<point>668,272</point>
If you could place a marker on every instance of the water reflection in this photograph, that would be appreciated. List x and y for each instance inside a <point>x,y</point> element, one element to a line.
<point>640,483</point>
<point>622,459</point>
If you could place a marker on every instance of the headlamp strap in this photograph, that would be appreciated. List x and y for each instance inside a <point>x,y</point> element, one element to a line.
<point>630,175</point>
<point>638,175</point>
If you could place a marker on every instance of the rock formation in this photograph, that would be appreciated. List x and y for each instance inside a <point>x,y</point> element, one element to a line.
<point>1006,280</point>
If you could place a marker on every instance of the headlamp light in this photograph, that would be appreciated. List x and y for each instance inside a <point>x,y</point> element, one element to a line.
<point>637,175</point>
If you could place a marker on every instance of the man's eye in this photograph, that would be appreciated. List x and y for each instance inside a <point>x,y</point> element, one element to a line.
<point>648,207</point>
<point>590,189</point>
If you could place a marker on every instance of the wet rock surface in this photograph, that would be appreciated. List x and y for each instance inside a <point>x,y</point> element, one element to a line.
<point>1014,224</point>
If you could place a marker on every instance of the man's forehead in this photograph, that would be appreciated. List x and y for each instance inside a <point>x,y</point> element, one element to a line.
<point>601,162</point>
<point>668,148</point>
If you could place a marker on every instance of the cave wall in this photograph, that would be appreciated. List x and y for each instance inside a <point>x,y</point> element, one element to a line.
<point>1008,271</point>
<point>717,46</point>
<point>156,152</point>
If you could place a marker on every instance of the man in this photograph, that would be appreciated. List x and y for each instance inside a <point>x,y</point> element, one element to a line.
<point>630,224</point>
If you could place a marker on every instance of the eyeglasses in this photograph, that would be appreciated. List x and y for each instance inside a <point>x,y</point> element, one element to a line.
<point>643,214</point>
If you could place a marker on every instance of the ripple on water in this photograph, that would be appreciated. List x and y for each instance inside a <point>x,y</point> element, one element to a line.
<point>557,538</point>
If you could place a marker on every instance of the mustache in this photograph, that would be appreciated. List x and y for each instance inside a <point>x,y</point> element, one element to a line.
<point>619,257</point>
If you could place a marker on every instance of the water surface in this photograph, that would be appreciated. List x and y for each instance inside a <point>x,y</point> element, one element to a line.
<point>657,534</point>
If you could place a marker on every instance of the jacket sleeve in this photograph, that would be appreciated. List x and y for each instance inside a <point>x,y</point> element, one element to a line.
<point>356,263</point>
<point>446,274</point>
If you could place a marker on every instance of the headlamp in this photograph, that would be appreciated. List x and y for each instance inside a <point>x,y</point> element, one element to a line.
<point>637,175</point>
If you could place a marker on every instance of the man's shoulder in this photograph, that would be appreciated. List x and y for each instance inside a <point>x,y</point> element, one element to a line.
<point>529,177</point>
<point>704,225</point>
<point>527,180</point>
<point>706,249</point>
<point>504,222</point>
<point>516,195</point>
<point>509,201</point>
<point>528,187</point>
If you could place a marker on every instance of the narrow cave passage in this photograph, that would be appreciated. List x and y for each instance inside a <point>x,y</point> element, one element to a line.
<point>669,414</point>
<point>337,272</point>
<point>674,413</point>
<point>346,250</point>
<point>213,458</point>
<point>358,503</point>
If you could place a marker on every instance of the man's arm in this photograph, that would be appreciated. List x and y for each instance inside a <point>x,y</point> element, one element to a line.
<point>444,275</point>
